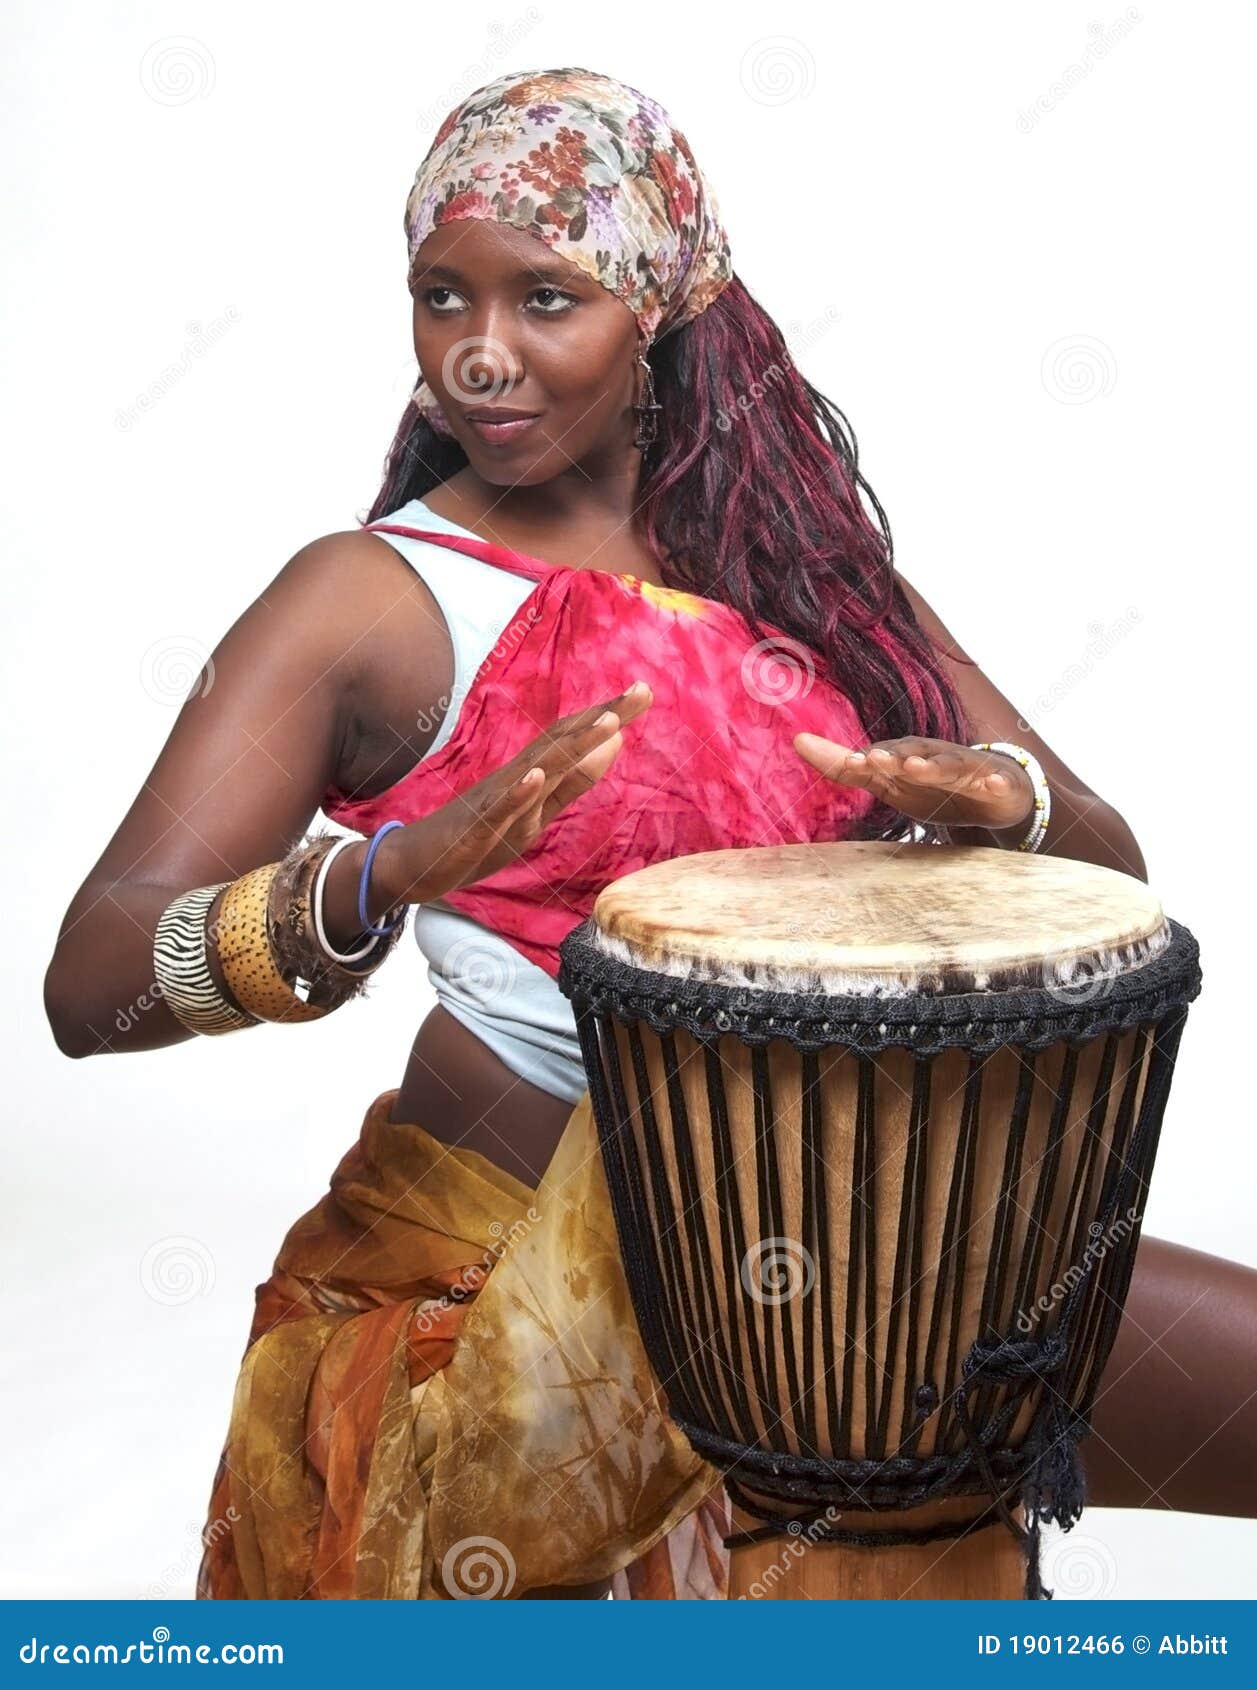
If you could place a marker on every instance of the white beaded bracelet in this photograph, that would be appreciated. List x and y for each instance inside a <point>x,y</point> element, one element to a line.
<point>316,906</point>
<point>1042,794</point>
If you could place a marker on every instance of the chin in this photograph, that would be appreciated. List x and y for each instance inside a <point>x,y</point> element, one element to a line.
<point>499,473</point>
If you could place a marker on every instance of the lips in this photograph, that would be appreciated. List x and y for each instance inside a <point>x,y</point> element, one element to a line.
<point>498,424</point>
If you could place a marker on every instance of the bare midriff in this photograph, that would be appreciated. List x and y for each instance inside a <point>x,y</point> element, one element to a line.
<point>461,1092</point>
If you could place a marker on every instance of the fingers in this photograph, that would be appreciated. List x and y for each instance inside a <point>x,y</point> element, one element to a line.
<point>624,706</point>
<point>571,739</point>
<point>928,779</point>
<point>914,761</point>
<point>836,762</point>
<point>938,768</point>
<point>486,814</point>
<point>578,779</point>
<point>631,703</point>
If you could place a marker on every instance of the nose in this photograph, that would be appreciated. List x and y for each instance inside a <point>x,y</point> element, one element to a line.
<point>485,362</point>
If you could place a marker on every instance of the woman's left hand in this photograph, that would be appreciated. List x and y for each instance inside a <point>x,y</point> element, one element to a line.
<point>930,780</point>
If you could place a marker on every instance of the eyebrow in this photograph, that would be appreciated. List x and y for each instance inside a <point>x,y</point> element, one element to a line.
<point>558,274</point>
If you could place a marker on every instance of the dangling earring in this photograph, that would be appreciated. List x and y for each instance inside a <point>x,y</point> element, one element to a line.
<point>648,411</point>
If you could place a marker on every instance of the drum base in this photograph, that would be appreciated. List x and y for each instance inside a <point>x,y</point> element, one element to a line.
<point>988,1565</point>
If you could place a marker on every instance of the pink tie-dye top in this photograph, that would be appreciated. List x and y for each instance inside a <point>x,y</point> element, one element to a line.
<point>710,765</point>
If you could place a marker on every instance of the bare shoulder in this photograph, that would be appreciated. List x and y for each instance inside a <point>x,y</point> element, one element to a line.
<point>353,601</point>
<point>930,620</point>
<point>351,582</point>
<point>375,622</point>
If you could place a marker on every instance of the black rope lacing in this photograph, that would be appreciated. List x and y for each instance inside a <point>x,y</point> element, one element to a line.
<point>721,1361</point>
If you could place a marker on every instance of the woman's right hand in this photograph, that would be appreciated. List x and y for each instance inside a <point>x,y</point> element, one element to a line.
<point>489,824</point>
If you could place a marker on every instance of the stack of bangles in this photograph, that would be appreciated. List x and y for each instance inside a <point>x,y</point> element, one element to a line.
<point>1042,797</point>
<point>273,954</point>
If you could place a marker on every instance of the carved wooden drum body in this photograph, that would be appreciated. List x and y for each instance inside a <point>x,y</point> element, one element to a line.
<point>877,1122</point>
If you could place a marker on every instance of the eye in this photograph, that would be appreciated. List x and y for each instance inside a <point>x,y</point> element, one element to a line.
<point>428,297</point>
<point>565,301</point>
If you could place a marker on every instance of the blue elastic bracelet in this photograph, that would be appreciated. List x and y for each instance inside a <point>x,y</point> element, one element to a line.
<point>363,880</point>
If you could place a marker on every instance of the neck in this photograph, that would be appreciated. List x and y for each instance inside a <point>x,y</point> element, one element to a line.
<point>574,519</point>
<point>573,499</point>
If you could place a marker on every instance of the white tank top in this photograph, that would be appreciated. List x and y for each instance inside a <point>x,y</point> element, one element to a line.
<point>510,1003</point>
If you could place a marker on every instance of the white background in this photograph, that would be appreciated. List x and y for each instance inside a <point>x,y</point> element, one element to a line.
<point>1030,288</point>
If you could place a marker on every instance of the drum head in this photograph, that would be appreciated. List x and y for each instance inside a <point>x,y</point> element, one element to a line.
<point>879,917</point>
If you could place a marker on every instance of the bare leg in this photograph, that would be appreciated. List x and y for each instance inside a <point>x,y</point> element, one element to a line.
<point>1175,1421</point>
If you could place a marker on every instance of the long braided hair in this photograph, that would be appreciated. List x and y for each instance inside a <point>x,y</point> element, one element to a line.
<point>752,495</point>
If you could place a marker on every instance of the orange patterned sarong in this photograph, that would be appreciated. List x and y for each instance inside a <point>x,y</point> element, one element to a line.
<point>444,1395</point>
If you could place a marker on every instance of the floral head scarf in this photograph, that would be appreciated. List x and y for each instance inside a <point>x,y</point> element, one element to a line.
<point>594,169</point>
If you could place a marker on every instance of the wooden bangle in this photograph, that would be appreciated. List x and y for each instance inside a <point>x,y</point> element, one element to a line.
<point>295,943</point>
<point>248,964</point>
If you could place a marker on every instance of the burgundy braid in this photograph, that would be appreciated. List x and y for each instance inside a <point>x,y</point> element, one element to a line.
<point>752,495</point>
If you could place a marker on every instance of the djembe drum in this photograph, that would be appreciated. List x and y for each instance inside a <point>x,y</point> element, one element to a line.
<point>877,1122</point>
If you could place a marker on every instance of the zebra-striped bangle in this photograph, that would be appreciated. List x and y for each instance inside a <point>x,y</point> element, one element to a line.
<point>182,969</point>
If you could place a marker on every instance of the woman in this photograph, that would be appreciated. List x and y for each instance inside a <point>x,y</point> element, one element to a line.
<point>443,1393</point>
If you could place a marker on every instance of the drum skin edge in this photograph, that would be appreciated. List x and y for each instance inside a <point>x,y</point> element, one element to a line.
<point>1006,1403</point>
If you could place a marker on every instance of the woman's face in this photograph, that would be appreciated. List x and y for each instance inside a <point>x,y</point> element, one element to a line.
<point>502,324</point>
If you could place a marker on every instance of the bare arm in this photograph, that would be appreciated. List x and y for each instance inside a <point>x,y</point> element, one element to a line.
<point>242,774</point>
<point>1082,825</point>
